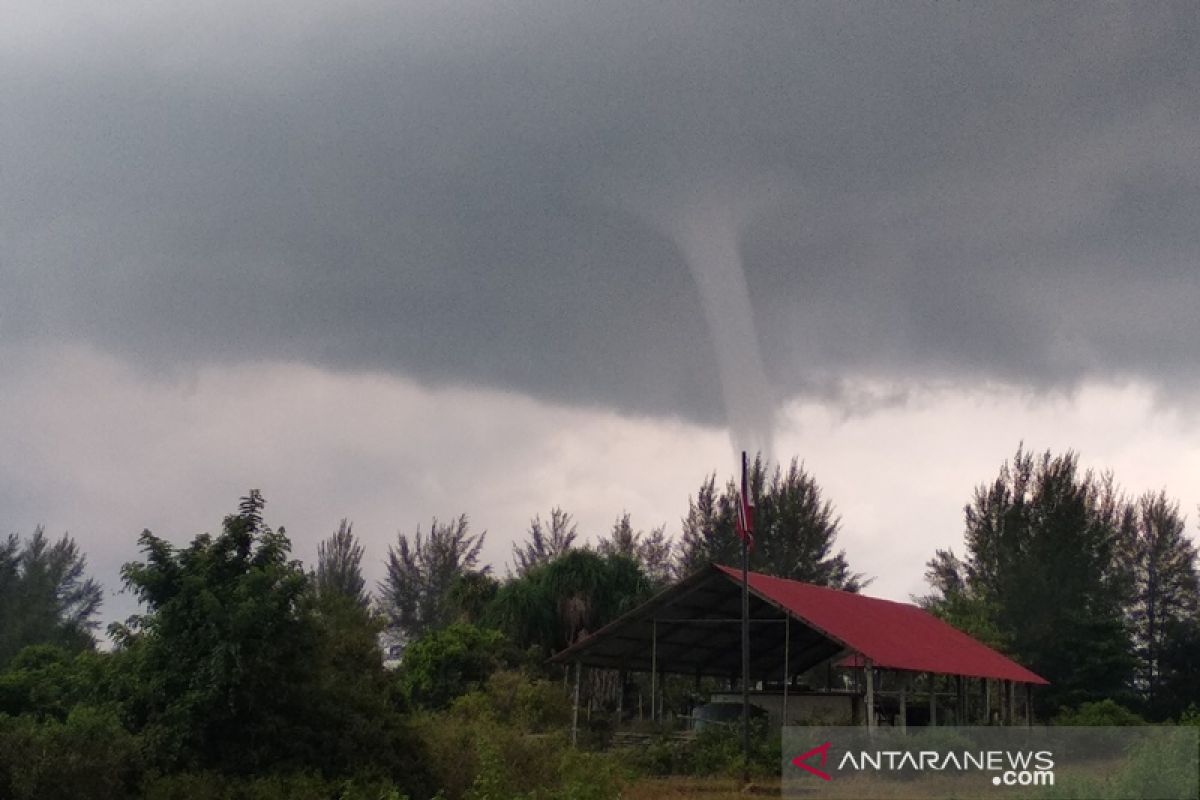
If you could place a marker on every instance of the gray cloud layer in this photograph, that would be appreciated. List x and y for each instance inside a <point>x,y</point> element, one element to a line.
<point>1002,190</point>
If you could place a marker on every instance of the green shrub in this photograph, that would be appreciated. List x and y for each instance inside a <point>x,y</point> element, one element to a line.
<point>588,776</point>
<point>714,751</point>
<point>447,663</point>
<point>509,740</point>
<point>481,756</point>
<point>1160,766</point>
<point>89,756</point>
<point>1100,714</point>
<point>529,705</point>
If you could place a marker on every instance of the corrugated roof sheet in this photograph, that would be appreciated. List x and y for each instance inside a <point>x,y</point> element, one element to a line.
<point>893,635</point>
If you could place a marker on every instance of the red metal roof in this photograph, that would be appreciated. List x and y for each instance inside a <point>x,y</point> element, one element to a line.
<point>893,635</point>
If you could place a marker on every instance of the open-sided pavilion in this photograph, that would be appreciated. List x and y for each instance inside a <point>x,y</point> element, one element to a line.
<point>694,628</point>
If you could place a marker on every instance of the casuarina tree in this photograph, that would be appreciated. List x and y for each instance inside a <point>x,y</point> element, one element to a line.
<point>417,593</point>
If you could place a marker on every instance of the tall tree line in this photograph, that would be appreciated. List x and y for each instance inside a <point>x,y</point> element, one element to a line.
<point>1090,589</point>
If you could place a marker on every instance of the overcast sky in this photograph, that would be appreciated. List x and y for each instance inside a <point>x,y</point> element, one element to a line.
<point>391,261</point>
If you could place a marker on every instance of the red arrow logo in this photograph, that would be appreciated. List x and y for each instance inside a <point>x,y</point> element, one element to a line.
<point>823,751</point>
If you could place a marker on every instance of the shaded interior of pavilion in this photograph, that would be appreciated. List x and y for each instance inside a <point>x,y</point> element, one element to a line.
<point>817,656</point>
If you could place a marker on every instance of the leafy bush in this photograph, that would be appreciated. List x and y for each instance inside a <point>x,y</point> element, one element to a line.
<point>447,663</point>
<point>514,699</point>
<point>508,740</point>
<point>1104,713</point>
<point>89,756</point>
<point>714,751</point>
<point>46,681</point>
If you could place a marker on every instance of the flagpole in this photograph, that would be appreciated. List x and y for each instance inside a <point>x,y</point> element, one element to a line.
<point>743,502</point>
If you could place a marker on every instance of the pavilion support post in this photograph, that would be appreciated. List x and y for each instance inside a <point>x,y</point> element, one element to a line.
<point>987,702</point>
<point>932,698</point>
<point>1029,705</point>
<point>903,702</point>
<point>1011,692</point>
<point>575,710</point>
<point>960,699</point>
<point>869,677</point>
<point>653,670</point>
<point>620,696</point>
<point>787,674</point>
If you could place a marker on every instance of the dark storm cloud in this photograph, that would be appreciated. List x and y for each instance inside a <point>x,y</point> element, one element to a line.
<point>997,191</point>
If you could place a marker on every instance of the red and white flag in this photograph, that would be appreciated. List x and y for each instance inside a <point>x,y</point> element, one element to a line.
<point>745,520</point>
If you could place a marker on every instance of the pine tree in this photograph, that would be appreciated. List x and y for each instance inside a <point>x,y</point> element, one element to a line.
<point>416,592</point>
<point>45,596</point>
<point>708,531</point>
<point>1041,574</point>
<point>652,551</point>
<point>795,529</point>
<point>1165,588</point>
<point>545,543</point>
<point>339,566</point>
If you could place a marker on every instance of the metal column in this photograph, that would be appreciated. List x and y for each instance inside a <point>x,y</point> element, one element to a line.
<point>575,710</point>
<point>932,699</point>
<point>654,670</point>
<point>787,651</point>
<point>869,675</point>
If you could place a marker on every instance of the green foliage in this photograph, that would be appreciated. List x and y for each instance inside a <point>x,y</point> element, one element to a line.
<point>470,595</point>
<point>352,706</point>
<point>1102,713</point>
<point>714,751</point>
<point>224,654</point>
<point>1178,664</point>
<point>1164,604</point>
<point>970,612</point>
<point>653,551</point>
<point>795,529</point>
<point>1158,765</point>
<point>339,566</point>
<point>547,541</point>
<point>444,664</point>
<point>239,667</point>
<point>45,681</point>
<point>89,756</point>
<point>45,597</point>
<point>416,593</point>
<point>1043,578</point>
<point>508,740</point>
<point>516,700</point>
<point>553,605</point>
<point>1162,765</point>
